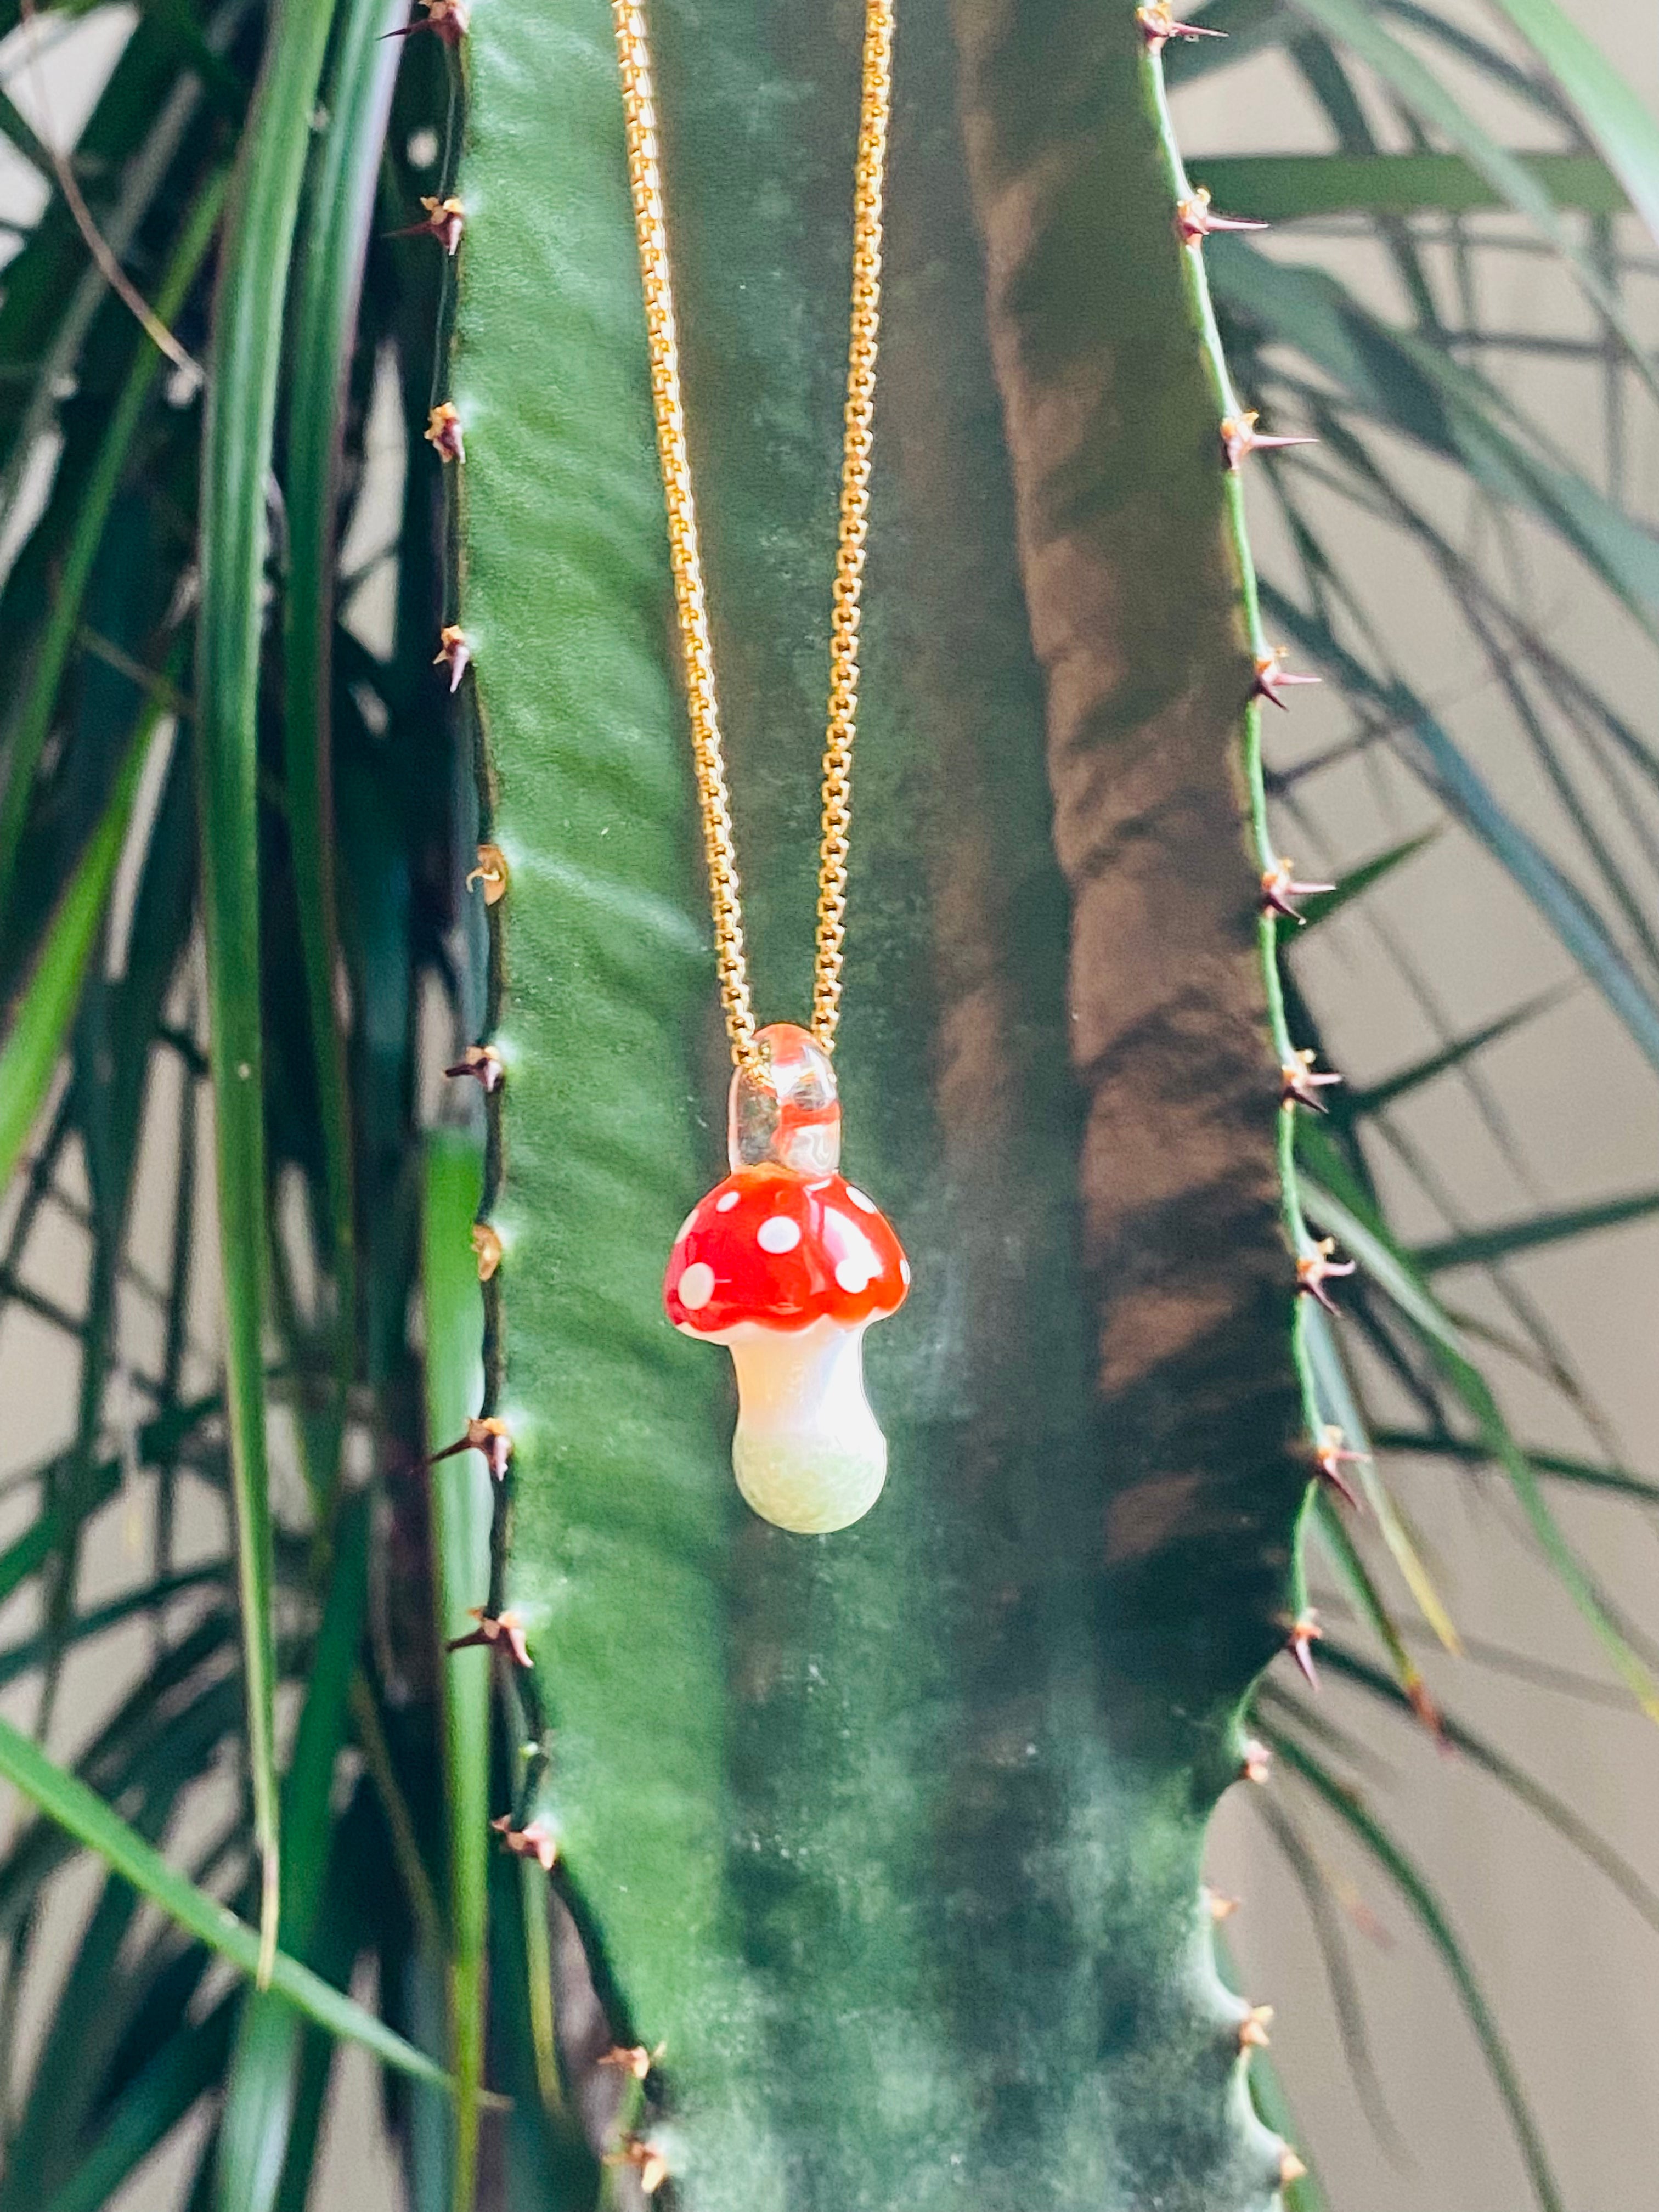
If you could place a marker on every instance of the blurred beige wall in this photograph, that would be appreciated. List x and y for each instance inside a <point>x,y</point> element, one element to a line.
<point>1572,1970</point>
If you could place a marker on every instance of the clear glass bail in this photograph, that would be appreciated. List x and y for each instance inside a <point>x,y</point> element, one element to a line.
<point>783,1105</point>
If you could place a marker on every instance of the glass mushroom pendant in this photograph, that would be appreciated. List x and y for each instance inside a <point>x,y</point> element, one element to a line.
<point>788,1265</point>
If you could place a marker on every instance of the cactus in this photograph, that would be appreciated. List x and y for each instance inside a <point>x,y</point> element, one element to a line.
<point>893,1841</point>
<point>719,1865</point>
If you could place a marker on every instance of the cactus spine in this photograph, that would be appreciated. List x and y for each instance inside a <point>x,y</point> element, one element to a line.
<point>893,1840</point>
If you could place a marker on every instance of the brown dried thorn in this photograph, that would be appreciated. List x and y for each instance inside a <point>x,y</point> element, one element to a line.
<point>487,1435</point>
<point>1315,1268</point>
<point>491,872</point>
<point>646,2158</point>
<point>1273,677</point>
<point>1331,1455</point>
<point>1257,1762</point>
<point>1291,2167</point>
<point>1300,1086</point>
<point>537,1842</point>
<point>634,2059</point>
<point>1253,2029</point>
<point>448,18</point>
<point>486,1245</point>
<point>483,1062</point>
<point>1279,888</point>
<point>1240,438</point>
<point>1195,219</point>
<point>1302,1634</point>
<point>503,1629</point>
<point>1158,25</point>
<point>445,219</point>
<point>1221,1908</point>
<point>454,653</point>
<point>443,432</point>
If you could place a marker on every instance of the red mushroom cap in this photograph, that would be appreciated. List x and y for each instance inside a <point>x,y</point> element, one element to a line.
<point>785,1249</point>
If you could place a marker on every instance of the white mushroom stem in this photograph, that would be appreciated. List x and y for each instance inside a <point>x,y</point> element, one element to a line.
<point>807,1454</point>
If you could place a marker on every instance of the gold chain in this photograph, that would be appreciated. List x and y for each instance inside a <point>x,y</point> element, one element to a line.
<point>645,181</point>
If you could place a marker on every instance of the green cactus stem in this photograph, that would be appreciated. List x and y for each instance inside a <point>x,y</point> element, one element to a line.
<point>891,1838</point>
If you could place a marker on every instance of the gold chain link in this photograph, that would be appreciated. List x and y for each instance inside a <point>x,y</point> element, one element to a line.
<point>645,181</point>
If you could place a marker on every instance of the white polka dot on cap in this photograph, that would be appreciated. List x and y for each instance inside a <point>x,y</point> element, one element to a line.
<point>853,1275</point>
<point>778,1234</point>
<point>696,1285</point>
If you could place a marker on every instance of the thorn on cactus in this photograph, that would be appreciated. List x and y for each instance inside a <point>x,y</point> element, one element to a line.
<point>1279,888</point>
<point>483,1063</point>
<point>1300,1086</point>
<point>443,432</point>
<point>536,1840</point>
<point>1272,676</point>
<point>644,2158</point>
<point>1158,25</point>
<point>487,1249</point>
<point>1315,1268</point>
<point>1253,2029</point>
<point>454,653</point>
<point>1240,438</point>
<point>1331,1455</point>
<point>1291,2167</point>
<point>1302,1633</point>
<point>1221,1908</point>
<point>491,872</point>
<point>444,221</point>
<point>504,1630</point>
<point>632,2058</point>
<point>487,1435</point>
<point>448,18</point>
<point>1257,1763</point>
<point>1195,220</point>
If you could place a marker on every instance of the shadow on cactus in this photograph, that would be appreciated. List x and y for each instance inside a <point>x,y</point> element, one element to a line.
<point>696,1859</point>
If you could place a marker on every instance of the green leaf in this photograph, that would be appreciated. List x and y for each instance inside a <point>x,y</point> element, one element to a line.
<point>40,1021</point>
<point>1360,1234</point>
<point>1587,1471</point>
<point>54,289</point>
<point>1350,1217</point>
<point>1412,383</point>
<point>1289,188</point>
<point>1554,1811</point>
<point>1576,923</point>
<point>23,1658</point>
<point>1603,97</point>
<point>181,2072</point>
<point>328,281</point>
<point>463,1510</point>
<point>1338,1405</point>
<point>1359,880</point>
<point>253,2128</point>
<point>1482,1248</point>
<point>1358,29</point>
<point>235,464</point>
<point>1321,1895</point>
<point>1373,1098</point>
<point>30,723</point>
<point>1430,1914</point>
<point>1368,1600</point>
<point>67,1800</point>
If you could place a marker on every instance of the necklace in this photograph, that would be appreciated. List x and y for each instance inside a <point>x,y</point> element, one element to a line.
<point>784,1262</point>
